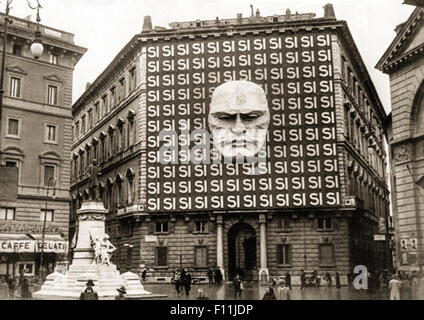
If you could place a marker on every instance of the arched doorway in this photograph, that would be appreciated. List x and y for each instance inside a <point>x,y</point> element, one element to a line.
<point>241,251</point>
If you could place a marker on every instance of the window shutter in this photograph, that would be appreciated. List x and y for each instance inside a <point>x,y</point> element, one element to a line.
<point>152,227</point>
<point>210,227</point>
<point>190,227</point>
<point>171,227</point>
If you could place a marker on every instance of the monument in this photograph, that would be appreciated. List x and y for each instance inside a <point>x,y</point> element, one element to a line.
<point>91,261</point>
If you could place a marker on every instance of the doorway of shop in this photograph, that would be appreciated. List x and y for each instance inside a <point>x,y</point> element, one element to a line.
<point>242,251</point>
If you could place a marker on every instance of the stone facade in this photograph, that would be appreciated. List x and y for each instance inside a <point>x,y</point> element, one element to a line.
<point>37,98</point>
<point>266,242</point>
<point>404,63</point>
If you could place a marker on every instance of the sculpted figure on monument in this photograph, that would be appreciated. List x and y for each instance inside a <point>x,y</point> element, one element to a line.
<point>106,248</point>
<point>239,119</point>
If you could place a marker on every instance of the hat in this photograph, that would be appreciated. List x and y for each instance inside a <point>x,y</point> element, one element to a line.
<point>200,291</point>
<point>122,289</point>
<point>282,282</point>
<point>90,283</point>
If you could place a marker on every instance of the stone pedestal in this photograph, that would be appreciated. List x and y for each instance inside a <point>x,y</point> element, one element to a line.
<point>106,278</point>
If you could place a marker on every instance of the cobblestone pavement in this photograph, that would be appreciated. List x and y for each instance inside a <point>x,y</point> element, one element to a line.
<point>251,292</point>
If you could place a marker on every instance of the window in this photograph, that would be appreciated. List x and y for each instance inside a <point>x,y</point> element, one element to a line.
<point>13,127</point>
<point>200,256</point>
<point>96,115</point>
<point>7,213</point>
<point>90,119</point>
<point>283,254</point>
<point>161,227</point>
<point>49,175</point>
<point>77,129</point>
<point>105,104</point>
<point>131,191</point>
<point>112,97</point>
<point>52,95</point>
<point>51,131</point>
<point>46,214</point>
<point>132,80</point>
<point>13,163</point>
<point>15,87</point>
<point>282,224</point>
<point>161,256</point>
<point>324,224</point>
<point>83,125</point>
<point>54,58</point>
<point>123,89</point>
<point>326,254</point>
<point>200,226</point>
<point>17,50</point>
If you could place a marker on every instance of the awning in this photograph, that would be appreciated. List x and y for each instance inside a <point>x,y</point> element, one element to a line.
<point>32,243</point>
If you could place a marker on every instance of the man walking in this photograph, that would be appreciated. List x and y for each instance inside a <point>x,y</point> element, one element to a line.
<point>288,280</point>
<point>238,287</point>
<point>283,291</point>
<point>187,283</point>
<point>394,286</point>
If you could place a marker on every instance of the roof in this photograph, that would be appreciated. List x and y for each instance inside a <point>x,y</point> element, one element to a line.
<point>395,53</point>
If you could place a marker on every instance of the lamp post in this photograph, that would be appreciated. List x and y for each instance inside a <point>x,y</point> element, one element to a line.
<point>44,227</point>
<point>36,47</point>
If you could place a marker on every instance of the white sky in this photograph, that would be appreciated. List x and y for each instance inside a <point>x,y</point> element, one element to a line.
<point>105,26</point>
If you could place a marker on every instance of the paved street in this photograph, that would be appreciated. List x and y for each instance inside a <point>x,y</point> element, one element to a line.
<point>251,292</point>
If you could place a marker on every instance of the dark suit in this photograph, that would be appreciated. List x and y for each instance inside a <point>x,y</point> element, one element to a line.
<point>89,295</point>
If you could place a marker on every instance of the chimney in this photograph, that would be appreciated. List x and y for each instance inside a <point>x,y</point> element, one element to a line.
<point>87,85</point>
<point>239,18</point>
<point>147,24</point>
<point>329,11</point>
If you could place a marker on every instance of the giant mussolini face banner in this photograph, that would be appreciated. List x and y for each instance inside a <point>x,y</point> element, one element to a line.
<point>241,123</point>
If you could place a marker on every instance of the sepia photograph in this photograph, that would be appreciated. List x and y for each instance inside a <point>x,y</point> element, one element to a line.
<point>175,151</point>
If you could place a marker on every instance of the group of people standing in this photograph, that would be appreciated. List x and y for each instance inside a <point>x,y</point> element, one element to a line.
<point>316,281</point>
<point>182,280</point>
<point>15,283</point>
<point>406,286</point>
<point>215,276</point>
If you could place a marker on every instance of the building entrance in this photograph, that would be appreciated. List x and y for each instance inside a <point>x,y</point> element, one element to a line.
<point>241,251</point>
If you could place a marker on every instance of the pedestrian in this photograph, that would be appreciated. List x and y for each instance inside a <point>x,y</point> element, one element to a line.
<point>25,292</point>
<point>288,280</point>
<point>329,280</point>
<point>177,282</point>
<point>414,285</point>
<point>201,296</point>
<point>122,291</point>
<point>269,294</point>
<point>302,279</point>
<point>143,274</point>
<point>337,280</point>
<point>405,288</point>
<point>283,291</point>
<point>218,276</point>
<point>187,283</point>
<point>394,286</point>
<point>89,293</point>
<point>238,286</point>
<point>210,276</point>
<point>11,285</point>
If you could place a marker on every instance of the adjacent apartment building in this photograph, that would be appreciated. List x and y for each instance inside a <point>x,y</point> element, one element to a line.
<point>317,204</point>
<point>403,61</point>
<point>36,138</point>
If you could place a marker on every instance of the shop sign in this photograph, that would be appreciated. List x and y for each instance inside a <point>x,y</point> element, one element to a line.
<point>53,246</point>
<point>25,228</point>
<point>17,246</point>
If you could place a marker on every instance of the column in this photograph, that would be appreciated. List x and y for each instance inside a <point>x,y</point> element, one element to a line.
<point>219,246</point>
<point>264,260</point>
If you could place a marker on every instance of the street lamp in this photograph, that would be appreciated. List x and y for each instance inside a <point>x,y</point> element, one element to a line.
<point>36,47</point>
<point>44,227</point>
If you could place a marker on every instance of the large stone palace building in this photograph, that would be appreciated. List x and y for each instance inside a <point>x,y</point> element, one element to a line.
<point>403,61</point>
<point>317,203</point>
<point>36,138</point>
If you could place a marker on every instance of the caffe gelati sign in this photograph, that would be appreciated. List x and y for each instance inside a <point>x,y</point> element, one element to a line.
<point>299,167</point>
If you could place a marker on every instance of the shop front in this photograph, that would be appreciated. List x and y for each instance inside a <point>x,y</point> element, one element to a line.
<point>21,253</point>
